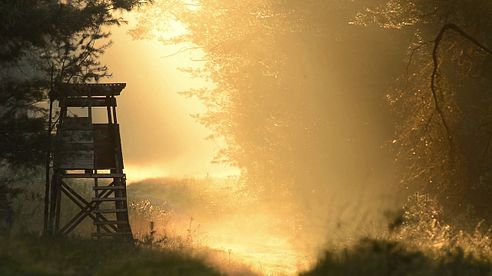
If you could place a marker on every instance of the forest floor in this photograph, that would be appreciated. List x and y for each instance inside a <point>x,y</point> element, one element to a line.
<point>183,228</point>
<point>31,255</point>
<point>244,240</point>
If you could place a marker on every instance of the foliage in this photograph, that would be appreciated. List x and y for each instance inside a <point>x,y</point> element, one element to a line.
<point>380,257</point>
<point>275,86</point>
<point>443,100</point>
<point>159,213</point>
<point>423,226</point>
<point>143,214</point>
<point>42,44</point>
<point>420,242</point>
<point>162,203</point>
<point>7,196</point>
<point>283,96</point>
<point>31,255</point>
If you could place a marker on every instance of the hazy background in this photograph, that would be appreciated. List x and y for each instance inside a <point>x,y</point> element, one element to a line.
<point>330,118</point>
<point>302,107</point>
<point>297,97</point>
<point>159,136</point>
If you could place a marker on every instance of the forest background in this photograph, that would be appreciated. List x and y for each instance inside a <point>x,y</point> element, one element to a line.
<point>372,105</point>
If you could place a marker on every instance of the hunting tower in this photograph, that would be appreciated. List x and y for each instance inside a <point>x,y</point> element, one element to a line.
<point>90,152</point>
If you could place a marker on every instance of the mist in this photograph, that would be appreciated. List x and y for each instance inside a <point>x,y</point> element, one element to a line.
<point>160,136</point>
<point>303,115</point>
<point>262,137</point>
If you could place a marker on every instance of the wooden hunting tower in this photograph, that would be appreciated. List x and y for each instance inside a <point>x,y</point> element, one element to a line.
<point>90,152</point>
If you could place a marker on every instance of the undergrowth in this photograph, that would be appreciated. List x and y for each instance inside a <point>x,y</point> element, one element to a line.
<point>419,242</point>
<point>32,255</point>
<point>384,257</point>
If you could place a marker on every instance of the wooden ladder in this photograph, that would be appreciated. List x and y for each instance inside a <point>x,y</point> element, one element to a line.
<point>111,221</point>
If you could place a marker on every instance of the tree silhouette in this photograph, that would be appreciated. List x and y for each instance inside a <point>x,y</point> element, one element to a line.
<point>42,44</point>
<point>444,100</point>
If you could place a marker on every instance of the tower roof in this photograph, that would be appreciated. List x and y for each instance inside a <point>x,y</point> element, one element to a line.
<point>89,89</point>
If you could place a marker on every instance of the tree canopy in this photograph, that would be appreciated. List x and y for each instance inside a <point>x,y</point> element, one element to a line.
<point>289,81</point>
<point>44,43</point>
<point>444,99</point>
<point>295,86</point>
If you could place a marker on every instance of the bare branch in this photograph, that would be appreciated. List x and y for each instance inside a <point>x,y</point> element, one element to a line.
<point>435,71</point>
<point>413,51</point>
<point>181,50</point>
<point>437,106</point>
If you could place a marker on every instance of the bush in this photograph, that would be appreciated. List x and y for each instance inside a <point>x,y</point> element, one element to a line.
<point>31,255</point>
<point>382,257</point>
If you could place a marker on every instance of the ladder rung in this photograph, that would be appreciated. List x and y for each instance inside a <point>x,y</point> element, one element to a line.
<point>106,234</point>
<point>109,199</point>
<point>108,187</point>
<point>111,222</point>
<point>104,211</point>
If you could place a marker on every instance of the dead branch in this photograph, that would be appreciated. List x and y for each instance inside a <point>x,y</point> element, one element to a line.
<point>435,71</point>
<point>413,51</point>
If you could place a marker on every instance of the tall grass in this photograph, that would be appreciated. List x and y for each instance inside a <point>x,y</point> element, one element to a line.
<point>166,216</point>
<point>32,255</point>
<point>419,242</point>
<point>385,257</point>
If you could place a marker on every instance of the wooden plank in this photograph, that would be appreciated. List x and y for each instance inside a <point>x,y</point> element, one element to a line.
<point>104,159</point>
<point>76,154</point>
<point>75,147</point>
<point>119,154</point>
<point>104,145</point>
<point>76,123</point>
<point>111,222</point>
<point>104,133</point>
<point>109,199</point>
<point>75,136</point>
<point>75,159</point>
<point>108,211</point>
<point>112,175</point>
<point>84,102</point>
<point>109,188</point>
<point>102,137</point>
<point>79,164</point>
<point>108,89</point>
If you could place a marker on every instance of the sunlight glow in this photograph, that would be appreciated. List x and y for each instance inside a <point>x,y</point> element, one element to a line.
<point>159,137</point>
<point>139,173</point>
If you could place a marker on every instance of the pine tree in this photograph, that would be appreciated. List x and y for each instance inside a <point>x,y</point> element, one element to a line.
<point>44,43</point>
